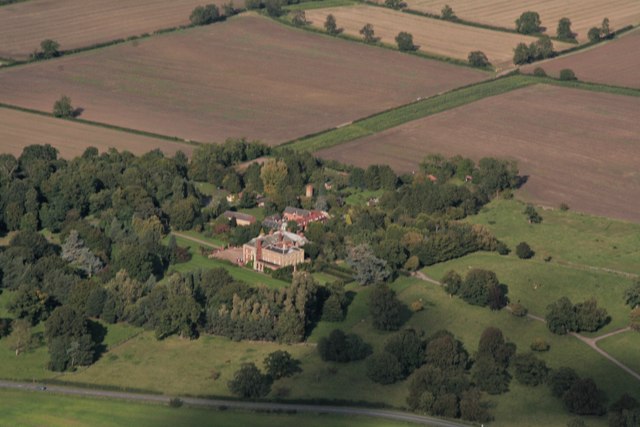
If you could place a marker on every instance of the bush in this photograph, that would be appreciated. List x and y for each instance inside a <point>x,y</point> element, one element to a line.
<point>539,344</point>
<point>395,4</point>
<point>524,251</point>
<point>518,309</point>
<point>594,34</point>
<point>62,108</point>
<point>567,75</point>
<point>478,59</point>
<point>564,207</point>
<point>175,402</point>
<point>502,248</point>
<point>528,23</point>
<point>532,215</point>
<point>539,72</point>
<point>404,41</point>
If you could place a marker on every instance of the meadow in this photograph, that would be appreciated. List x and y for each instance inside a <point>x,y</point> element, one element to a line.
<point>557,135</point>
<point>34,409</point>
<point>246,77</point>
<point>624,347</point>
<point>432,36</point>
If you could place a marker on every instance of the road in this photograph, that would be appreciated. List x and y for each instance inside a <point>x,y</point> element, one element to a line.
<point>235,404</point>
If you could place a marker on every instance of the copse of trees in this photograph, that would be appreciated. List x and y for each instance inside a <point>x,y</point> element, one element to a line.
<point>603,32</point>
<point>479,287</point>
<point>402,354</point>
<point>564,31</point>
<point>540,49</point>
<point>529,370</point>
<point>48,49</point>
<point>492,360</point>
<point>205,15</point>
<point>563,317</point>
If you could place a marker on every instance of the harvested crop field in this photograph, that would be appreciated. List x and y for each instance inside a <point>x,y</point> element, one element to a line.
<point>577,147</point>
<point>615,62</point>
<point>19,129</point>
<point>247,77</point>
<point>432,35</point>
<point>79,23</point>
<point>583,14</point>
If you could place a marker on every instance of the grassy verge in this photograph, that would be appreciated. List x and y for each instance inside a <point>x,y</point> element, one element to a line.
<point>406,113</point>
<point>31,409</point>
<point>320,4</point>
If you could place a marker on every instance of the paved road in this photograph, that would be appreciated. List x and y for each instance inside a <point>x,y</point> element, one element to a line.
<point>217,403</point>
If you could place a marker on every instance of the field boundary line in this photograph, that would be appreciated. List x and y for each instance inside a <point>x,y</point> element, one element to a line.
<point>104,125</point>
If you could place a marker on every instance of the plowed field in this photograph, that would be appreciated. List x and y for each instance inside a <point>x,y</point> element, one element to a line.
<point>616,62</point>
<point>78,23</point>
<point>18,130</point>
<point>248,76</point>
<point>577,147</point>
<point>583,14</point>
<point>432,35</point>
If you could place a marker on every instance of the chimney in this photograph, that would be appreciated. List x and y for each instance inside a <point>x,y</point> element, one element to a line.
<point>259,250</point>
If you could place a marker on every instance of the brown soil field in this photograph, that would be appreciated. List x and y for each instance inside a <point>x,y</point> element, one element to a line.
<point>577,147</point>
<point>583,14</point>
<point>247,77</point>
<point>78,23</point>
<point>432,35</point>
<point>615,62</point>
<point>18,130</point>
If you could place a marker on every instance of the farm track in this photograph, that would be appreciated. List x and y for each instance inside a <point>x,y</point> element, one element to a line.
<point>591,342</point>
<point>236,404</point>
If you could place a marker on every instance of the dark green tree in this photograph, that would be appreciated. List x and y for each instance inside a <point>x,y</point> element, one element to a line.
<point>564,30</point>
<point>331,26</point>
<point>274,7</point>
<point>368,34</point>
<point>408,349</point>
<point>343,348</point>
<point>280,364</point>
<point>446,352</point>
<point>384,368</point>
<point>387,311</point>
<point>532,215</point>
<point>561,317</point>
<point>452,282</point>
<point>447,13</point>
<point>584,398</point>
<point>560,380</point>
<point>249,383</point>
<point>529,370</point>
<point>528,23</point>
<point>49,49</point>
<point>478,59</point>
<point>524,251</point>
<point>404,41</point>
<point>62,108</point>
<point>632,295</point>
<point>567,75</point>
<point>204,15</point>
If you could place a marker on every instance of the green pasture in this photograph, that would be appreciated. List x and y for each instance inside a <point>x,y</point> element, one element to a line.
<point>35,409</point>
<point>625,347</point>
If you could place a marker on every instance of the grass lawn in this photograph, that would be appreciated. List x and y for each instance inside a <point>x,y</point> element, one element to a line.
<point>213,240</point>
<point>360,198</point>
<point>34,409</point>
<point>568,237</point>
<point>625,347</point>
<point>257,212</point>
<point>239,273</point>
<point>536,283</point>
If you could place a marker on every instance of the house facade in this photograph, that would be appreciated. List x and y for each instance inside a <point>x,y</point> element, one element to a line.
<point>274,251</point>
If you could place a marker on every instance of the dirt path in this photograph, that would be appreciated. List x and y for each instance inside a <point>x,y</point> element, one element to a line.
<point>591,342</point>
<point>196,240</point>
<point>236,404</point>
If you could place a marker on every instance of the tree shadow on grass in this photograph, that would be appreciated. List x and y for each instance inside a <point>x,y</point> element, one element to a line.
<point>98,333</point>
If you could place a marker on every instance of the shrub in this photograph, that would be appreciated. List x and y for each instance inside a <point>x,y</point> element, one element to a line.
<point>539,344</point>
<point>528,23</point>
<point>502,248</point>
<point>564,207</point>
<point>518,309</point>
<point>567,75</point>
<point>62,108</point>
<point>539,72</point>
<point>404,41</point>
<point>478,59</point>
<point>175,402</point>
<point>532,215</point>
<point>524,251</point>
